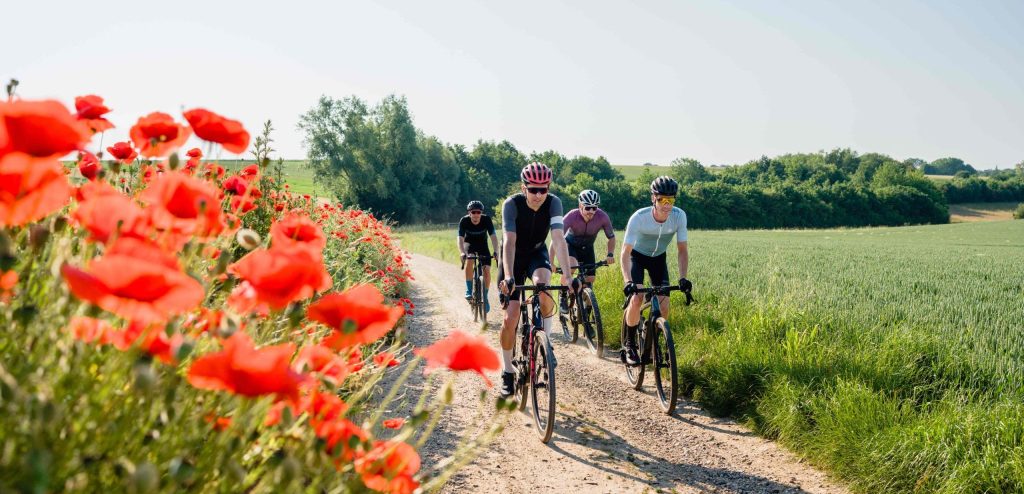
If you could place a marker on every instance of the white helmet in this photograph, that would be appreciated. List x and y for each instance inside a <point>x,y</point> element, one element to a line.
<point>590,198</point>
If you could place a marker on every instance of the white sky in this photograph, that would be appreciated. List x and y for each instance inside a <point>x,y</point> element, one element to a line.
<point>722,82</point>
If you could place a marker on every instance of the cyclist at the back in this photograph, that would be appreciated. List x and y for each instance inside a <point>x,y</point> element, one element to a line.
<point>474,229</point>
<point>581,228</point>
<point>648,235</point>
<point>526,219</point>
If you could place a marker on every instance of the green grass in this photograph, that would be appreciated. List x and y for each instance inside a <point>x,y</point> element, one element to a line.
<point>891,356</point>
<point>631,172</point>
<point>297,175</point>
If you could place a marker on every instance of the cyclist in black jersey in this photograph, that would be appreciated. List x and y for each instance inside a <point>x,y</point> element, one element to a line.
<point>474,228</point>
<point>526,219</point>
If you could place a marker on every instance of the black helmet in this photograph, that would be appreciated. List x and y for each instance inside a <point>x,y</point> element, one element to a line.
<point>664,186</point>
<point>474,205</point>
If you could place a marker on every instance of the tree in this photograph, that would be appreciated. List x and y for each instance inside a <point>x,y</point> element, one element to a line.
<point>690,171</point>
<point>948,166</point>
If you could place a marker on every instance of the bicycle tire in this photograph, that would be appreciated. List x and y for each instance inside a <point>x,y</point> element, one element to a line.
<point>593,328</point>
<point>635,374</point>
<point>475,302</point>
<point>525,368</point>
<point>574,320</point>
<point>542,382</point>
<point>665,375</point>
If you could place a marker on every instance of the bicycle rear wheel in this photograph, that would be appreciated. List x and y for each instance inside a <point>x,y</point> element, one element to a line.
<point>635,374</point>
<point>478,300</point>
<point>542,381</point>
<point>665,366</point>
<point>593,329</point>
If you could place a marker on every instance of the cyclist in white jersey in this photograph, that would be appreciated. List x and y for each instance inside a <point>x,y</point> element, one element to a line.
<point>648,235</point>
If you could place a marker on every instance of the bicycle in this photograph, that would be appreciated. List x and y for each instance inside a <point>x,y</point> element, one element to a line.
<point>534,360</point>
<point>584,311</point>
<point>476,301</point>
<point>654,340</point>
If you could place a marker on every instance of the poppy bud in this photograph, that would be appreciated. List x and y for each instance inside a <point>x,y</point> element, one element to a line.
<point>448,393</point>
<point>145,378</point>
<point>182,472</point>
<point>59,224</point>
<point>115,166</point>
<point>145,478</point>
<point>173,161</point>
<point>38,235</point>
<point>248,239</point>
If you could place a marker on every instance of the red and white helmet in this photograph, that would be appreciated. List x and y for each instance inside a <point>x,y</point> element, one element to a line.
<point>536,173</point>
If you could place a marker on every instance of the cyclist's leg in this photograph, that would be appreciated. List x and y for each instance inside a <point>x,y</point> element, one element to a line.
<point>639,262</point>
<point>585,255</point>
<point>508,330</point>
<point>469,277</point>
<point>540,270</point>
<point>659,277</point>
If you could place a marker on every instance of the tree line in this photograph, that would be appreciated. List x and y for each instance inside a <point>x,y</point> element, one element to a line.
<point>375,157</point>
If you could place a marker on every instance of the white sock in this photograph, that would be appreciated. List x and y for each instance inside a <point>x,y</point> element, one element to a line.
<point>506,361</point>
<point>549,322</point>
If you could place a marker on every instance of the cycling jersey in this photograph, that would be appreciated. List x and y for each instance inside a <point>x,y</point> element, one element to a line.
<point>476,235</point>
<point>531,227</point>
<point>579,231</point>
<point>652,238</point>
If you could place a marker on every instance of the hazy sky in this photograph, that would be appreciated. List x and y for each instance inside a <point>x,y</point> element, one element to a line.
<point>722,82</point>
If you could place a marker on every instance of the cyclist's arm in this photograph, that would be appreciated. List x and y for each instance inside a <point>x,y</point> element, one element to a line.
<point>552,253</point>
<point>508,254</point>
<point>462,245</point>
<point>494,244</point>
<point>684,259</point>
<point>626,263</point>
<point>611,246</point>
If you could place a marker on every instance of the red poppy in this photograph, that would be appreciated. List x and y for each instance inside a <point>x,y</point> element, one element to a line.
<point>91,110</point>
<point>297,230</point>
<point>88,165</point>
<point>395,423</point>
<point>235,185</point>
<point>219,424</point>
<point>123,152</point>
<point>152,339</point>
<point>280,277</point>
<point>385,359</point>
<point>157,135</point>
<point>338,435</point>
<point>242,369</point>
<point>460,351</point>
<point>30,188</point>
<point>389,467</point>
<point>185,205</point>
<point>134,288</point>
<point>324,361</point>
<point>212,127</point>
<point>89,329</point>
<point>214,170</point>
<point>8,281</point>
<point>105,211</point>
<point>40,129</point>
<point>194,153</point>
<point>250,172</point>
<point>357,315</point>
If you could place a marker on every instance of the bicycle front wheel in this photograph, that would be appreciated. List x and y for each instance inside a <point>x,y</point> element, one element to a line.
<point>635,374</point>
<point>542,381</point>
<point>665,366</point>
<point>478,300</point>
<point>593,329</point>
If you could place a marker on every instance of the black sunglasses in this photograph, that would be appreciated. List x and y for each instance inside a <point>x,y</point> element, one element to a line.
<point>537,190</point>
<point>590,208</point>
<point>475,212</point>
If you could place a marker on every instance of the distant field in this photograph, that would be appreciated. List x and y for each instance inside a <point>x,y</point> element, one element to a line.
<point>892,356</point>
<point>296,175</point>
<point>981,211</point>
<point>633,171</point>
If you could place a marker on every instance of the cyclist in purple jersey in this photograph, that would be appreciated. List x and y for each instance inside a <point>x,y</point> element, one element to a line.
<point>581,228</point>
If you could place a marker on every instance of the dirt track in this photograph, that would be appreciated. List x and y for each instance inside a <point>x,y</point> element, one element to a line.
<point>608,437</point>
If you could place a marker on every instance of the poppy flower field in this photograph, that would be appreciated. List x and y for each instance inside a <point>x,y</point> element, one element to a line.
<point>169,326</point>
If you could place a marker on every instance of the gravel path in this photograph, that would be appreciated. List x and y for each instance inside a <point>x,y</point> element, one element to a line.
<point>608,437</point>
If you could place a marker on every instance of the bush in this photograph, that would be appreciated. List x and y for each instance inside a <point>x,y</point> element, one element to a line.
<point>1019,212</point>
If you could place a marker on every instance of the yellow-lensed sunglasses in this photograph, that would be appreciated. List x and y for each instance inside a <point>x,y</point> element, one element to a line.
<point>666,200</point>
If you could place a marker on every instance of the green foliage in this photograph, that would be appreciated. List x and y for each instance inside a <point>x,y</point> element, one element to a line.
<point>948,166</point>
<point>1019,212</point>
<point>1003,188</point>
